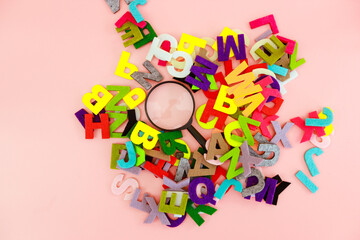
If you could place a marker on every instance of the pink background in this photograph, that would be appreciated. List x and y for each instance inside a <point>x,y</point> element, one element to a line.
<point>56,185</point>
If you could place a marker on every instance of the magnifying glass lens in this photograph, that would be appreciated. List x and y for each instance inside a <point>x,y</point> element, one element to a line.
<point>170,106</point>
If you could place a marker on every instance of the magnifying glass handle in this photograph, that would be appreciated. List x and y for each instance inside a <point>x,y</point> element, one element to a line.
<point>199,138</point>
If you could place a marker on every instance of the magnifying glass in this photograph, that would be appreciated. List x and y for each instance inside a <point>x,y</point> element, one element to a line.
<point>170,106</point>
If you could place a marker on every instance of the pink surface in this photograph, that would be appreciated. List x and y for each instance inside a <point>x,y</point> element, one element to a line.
<point>57,185</point>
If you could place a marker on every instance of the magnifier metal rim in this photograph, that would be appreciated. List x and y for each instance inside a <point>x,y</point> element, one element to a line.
<point>192,114</point>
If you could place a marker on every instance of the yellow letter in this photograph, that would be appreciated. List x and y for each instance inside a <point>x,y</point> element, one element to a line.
<point>192,42</point>
<point>129,100</point>
<point>123,64</point>
<point>221,99</point>
<point>149,137</point>
<point>100,101</point>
